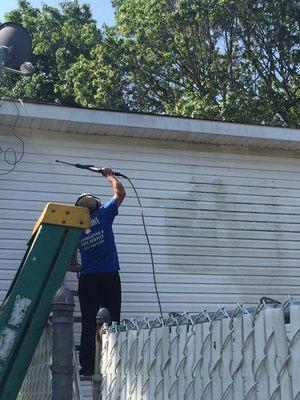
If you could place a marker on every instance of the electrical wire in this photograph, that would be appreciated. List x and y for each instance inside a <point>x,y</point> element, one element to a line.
<point>10,150</point>
<point>149,244</point>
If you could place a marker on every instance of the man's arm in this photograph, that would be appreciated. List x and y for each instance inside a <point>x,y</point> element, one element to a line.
<point>118,188</point>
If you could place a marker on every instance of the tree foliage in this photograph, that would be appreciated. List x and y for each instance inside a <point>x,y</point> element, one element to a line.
<point>61,37</point>
<point>232,60</point>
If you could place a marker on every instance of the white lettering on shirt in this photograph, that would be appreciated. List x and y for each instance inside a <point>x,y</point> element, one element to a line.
<point>92,240</point>
<point>95,221</point>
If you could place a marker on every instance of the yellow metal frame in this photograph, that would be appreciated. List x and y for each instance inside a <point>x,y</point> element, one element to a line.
<point>63,215</point>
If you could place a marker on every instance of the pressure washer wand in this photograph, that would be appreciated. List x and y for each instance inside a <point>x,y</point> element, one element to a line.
<point>90,168</point>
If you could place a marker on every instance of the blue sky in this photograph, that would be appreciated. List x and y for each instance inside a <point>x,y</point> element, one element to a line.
<point>102,10</point>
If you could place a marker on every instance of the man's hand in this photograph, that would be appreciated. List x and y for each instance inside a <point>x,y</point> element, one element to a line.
<point>107,172</point>
<point>118,188</point>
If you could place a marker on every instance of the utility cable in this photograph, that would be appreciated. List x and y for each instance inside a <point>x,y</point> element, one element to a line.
<point>10,150</point>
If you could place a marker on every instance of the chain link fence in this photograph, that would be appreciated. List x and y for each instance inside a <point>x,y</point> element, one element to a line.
<point>37,384</point>
<point>238,355</point>
<point>53,371</point>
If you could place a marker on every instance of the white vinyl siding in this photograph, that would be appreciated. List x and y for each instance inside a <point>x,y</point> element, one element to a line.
<point>223,221</point>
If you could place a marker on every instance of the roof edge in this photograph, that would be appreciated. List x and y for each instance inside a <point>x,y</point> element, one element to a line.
<point>115,123</point>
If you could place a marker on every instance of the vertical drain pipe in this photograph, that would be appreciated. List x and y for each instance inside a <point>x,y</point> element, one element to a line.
<point>62,362</point>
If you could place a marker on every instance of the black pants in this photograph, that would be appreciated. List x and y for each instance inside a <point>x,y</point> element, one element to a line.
<point>96,290</point>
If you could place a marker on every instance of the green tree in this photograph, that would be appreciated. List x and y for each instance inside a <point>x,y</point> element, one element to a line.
<point>232,60</point>
<point>226,59</point>
<point>60,38</point>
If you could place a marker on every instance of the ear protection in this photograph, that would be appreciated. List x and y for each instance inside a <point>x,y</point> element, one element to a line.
<point>88,200</point>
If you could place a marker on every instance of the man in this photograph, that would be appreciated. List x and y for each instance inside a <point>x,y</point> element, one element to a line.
<point>99,281</point>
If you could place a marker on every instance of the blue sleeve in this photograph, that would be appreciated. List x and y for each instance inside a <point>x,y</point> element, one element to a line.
<point>110,210</point>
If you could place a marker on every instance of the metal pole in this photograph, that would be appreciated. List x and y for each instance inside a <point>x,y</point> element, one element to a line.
<point>103,317</point>
<point>62,362</point>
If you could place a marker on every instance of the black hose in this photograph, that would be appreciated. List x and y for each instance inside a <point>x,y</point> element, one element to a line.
<point>149,245</point>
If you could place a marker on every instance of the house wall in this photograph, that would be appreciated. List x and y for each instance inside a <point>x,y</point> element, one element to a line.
<point>223,222</point>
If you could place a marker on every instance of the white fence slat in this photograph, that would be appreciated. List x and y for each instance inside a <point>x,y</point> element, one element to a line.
<point>270,352</point>
<point>189,352</point>
<point>104,364</point>
<point>226,353</point>
<point>281,343</point>
<point>295,349</point>
<point>206,352</point>
<point>152,362</point>
<point>166,343</point>
<point>111,365</point>
<point>139,362</point>
<point>129,367</point>
<point>174,353</point>
<point>196,370</point>
<point>142,354</point>
<point>260,371</point>
<point>237,359</point>
<point>123,356</point>
<point>118,370</point>
<point>133,364</point>
<point>216,359</point>
<point>248,351</point>
<point>159,391</point>
<point>146,362</point>
<point>181,361</point>
<point>116,366</point>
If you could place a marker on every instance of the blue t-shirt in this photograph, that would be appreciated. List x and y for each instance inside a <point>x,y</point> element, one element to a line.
<point>97,244</point>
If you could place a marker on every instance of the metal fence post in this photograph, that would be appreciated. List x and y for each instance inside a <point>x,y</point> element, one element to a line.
<point>62,362</point>
<point>103,317</point>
